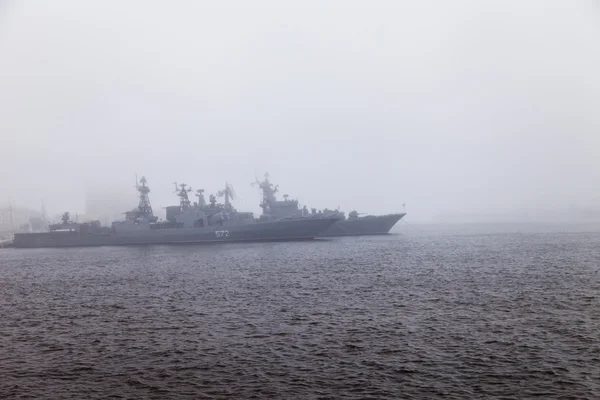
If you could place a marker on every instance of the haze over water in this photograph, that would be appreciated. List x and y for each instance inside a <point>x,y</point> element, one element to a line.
<point>485,315</point>
<point>462,107</point>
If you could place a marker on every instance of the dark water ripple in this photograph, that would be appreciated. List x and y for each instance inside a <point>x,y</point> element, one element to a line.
<point>409,316</point>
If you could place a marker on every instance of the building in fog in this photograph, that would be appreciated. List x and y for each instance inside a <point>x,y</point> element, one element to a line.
<point>108,204</point>
<point>19,219</point>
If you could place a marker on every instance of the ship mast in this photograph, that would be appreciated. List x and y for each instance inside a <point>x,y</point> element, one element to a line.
<point>12,220</point>
<point>268,192</point>
<point>144,205</point>
<point>182,191</point>
<point>201,199</point>
<point>228,193</point>
<point>44,217</point>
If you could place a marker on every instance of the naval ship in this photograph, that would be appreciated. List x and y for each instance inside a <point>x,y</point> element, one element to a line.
<point>186,223</point>
<point>353,225</point>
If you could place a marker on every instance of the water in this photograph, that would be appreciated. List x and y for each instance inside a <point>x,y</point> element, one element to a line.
<point>417,315</point>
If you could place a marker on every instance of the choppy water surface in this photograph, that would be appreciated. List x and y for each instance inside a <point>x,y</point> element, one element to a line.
<point>403,316</point>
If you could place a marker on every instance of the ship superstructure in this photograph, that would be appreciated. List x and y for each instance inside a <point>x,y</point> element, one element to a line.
<point>354,224</point>
<point>186,223</point>
<point>273,208</point>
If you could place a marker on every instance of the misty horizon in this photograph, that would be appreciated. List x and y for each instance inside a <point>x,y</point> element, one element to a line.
<point>457,109</point>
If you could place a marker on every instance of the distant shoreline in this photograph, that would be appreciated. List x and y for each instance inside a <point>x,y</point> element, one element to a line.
<point>481,227</point>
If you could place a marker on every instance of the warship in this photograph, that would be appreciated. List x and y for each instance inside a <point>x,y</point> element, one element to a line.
<point>186,223</point>
<point>353,225</point>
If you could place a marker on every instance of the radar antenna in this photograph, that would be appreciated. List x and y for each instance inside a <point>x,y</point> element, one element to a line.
<point>228,193</point>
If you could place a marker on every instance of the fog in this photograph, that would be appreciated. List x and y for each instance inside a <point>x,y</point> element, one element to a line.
<point>463,107</point>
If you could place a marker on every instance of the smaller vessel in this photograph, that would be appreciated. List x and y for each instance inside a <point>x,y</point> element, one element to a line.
<point>353,225</point>
<point>5,242</point>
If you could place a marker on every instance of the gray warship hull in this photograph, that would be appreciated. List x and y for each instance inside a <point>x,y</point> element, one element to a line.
<point>371,225</point>
<point>283,230</point>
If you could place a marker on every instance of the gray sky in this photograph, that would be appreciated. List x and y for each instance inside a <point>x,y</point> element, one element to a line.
<point>448,106</point>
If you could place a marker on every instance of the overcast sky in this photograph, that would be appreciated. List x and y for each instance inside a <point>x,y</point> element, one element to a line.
<point>483,106</point>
